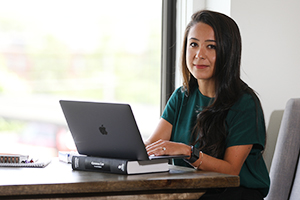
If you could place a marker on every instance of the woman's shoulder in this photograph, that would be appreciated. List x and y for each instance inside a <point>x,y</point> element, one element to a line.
<point>247,105</point>
<point>176,96</point>
<point>180,93</point>
<point>180,90</point>
<point>246,101</point>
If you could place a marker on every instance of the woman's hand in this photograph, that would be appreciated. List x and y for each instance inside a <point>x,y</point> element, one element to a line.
<point>165,147</point>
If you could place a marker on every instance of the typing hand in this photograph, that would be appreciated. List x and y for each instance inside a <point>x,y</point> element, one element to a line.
<point>165,147</point>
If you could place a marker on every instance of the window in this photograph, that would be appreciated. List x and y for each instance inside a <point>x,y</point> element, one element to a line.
<point>95,50</point>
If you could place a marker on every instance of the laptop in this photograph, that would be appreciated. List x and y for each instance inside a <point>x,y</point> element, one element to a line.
<point>106,130</point>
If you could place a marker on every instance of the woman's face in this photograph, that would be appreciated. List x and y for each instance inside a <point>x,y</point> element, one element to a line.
<point>201,52</point>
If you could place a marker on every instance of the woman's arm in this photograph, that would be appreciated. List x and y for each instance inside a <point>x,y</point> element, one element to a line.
<point>232,163</point>
<point>163,131</point>
<point>234,159</point>
<point>159,144</point>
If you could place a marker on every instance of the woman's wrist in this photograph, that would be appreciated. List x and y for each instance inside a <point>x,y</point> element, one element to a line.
<point>200,160</point>
<point>189,152</point>
<point>194,155</point>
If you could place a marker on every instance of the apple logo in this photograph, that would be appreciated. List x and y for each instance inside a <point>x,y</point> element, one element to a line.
<point>103,130</point>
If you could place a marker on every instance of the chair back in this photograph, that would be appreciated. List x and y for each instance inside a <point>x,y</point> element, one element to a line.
<point>285,167</point>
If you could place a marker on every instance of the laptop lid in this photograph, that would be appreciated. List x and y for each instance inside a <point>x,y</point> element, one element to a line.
<point>104,130</point>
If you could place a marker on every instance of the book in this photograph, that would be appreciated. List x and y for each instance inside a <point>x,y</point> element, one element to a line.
<point>66,156</point>
<point>118,166</point>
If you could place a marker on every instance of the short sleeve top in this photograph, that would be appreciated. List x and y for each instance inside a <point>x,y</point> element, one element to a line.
<point>245,125</point>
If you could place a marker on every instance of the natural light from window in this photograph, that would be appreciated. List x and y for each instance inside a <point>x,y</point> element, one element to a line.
<point>95,50</point>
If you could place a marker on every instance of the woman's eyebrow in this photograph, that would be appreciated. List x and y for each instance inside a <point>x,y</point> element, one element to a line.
<point>210,41</point>
<point>192,38</point>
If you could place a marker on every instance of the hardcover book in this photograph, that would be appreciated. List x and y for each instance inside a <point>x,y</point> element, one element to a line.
<point>118,166</point>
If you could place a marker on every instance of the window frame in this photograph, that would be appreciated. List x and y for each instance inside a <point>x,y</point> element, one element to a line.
<point>168,50</point>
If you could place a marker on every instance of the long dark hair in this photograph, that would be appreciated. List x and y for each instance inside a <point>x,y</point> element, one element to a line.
<point>210,129</point>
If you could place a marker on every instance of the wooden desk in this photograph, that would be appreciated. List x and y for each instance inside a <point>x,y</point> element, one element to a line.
<point>59,181</point>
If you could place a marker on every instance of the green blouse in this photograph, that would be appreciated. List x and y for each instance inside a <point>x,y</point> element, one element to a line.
<point>243,127</point>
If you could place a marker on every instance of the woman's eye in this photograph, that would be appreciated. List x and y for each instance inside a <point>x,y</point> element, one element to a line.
<point>211,46</point>
<point>193,44</point>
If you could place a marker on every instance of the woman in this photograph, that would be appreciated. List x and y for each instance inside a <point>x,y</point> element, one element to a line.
<point>215,118</point>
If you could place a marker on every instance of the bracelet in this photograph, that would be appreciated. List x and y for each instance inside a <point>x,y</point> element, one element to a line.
<point>200,161</point>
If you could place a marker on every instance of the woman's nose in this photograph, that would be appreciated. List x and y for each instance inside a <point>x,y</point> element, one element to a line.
<point>200,53</point>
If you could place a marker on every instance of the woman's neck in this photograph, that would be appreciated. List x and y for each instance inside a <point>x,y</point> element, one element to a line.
<point>207,88</point>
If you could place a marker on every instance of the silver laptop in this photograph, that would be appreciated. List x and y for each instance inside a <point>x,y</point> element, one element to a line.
<point>105,130</point>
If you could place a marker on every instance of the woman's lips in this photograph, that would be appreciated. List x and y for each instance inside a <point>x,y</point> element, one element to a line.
<point>201,66</point>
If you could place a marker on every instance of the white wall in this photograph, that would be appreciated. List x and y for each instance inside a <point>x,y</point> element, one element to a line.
<point>223,6</point>
<point>270,32</point>
<point>185,10</point>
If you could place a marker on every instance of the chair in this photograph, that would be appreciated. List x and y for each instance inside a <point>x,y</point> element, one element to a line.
<point>285,167</point>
